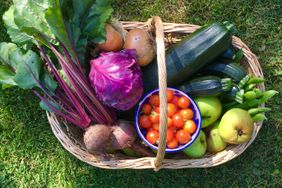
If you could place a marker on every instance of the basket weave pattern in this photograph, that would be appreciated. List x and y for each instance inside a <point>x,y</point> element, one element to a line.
<point>71,137</point>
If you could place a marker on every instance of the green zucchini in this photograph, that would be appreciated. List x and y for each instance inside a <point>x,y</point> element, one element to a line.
<point>206,86</point>
<point>231,70</point>
<point>190,55</point>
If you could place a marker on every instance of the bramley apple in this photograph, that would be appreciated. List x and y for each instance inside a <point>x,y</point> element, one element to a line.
<point>214,141</point>
<point>198,147</point>
<point>236,126</point>
<point>210,108</point>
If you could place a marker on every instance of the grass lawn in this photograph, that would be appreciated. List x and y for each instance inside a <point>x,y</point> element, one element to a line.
<point>30,155</point>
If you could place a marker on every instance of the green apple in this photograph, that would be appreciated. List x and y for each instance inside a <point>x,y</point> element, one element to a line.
<point>214,141</point>
<point>210,108</point>
<point>198,147</point>
<point>236,126</point>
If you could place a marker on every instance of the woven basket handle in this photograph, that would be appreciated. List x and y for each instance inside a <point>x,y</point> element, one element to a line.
<point>156,26</point>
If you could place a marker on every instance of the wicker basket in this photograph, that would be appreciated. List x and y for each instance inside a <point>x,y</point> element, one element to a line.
<point>71,137</point>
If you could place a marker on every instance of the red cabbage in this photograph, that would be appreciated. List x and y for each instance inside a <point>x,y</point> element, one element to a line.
<point>117,79</point>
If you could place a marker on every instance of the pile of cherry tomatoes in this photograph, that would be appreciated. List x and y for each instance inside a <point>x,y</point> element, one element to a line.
<point>180,119</point>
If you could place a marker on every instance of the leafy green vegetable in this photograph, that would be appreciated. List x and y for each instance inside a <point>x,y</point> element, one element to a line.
<point>5,50</point>
<point>48,82</point>
<point>6,77</point>
<point>75,23</point>
<point>55,20</point>
<point>22,68</point>
<point>45,106</point>
<point>30,18</point>
<point>12,29</point>
<point>27,65</point>
<point>94,23</point>
<point>68,24</point>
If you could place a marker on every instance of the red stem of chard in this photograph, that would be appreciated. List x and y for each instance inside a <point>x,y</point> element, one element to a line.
<point>76,111</point>
<point>84,85</point>
<point>78,104</point>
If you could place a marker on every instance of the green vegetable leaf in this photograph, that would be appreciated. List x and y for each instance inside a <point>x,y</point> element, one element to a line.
<point>6,77</point>
<point>55,20</point>
<point>29,16</point>
<point>28,69</point>
<point>48,82</point>
<point>22,68</point>
<point>98,15</point>
<point>5,50</point>
<point>12,29</point>
<point>75,23</point>
<point>45,106</point>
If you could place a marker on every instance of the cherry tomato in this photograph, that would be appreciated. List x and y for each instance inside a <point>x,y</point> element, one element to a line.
<point>146,109</point>
<point>154,100</point>
<point>144,121</point>
<point>154,118</point>
<point>169,135</point>
<point>155,126</point>
<point>172,144</point>
<point>171,109</point>
<point>190,126</point>
<point>175,101</point>
<point>169,122</point>
<point>177,121</point>
<point>157,109</point>
<point>183,102</point>
<point>187,114</point>
<point>170,95</point>
<point>152,136</point>
<point>183,136</point>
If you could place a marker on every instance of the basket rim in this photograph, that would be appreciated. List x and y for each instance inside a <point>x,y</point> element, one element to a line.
<point>209,160</point>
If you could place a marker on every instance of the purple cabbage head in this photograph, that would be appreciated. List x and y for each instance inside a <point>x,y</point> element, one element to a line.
<point>117,79</point>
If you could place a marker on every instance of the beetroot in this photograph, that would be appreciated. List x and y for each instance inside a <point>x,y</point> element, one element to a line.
<point>99,138</point>
<point>123,135</point>
<point>96,137</point>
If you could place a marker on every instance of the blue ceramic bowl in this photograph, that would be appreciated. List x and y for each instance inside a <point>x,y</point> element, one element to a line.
<point>197,119</point>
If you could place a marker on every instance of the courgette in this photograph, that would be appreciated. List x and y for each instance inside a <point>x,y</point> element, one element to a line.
<point>229,53</point>
<point>206,86</point>
<point>190,55</point>
<point>231,70</point>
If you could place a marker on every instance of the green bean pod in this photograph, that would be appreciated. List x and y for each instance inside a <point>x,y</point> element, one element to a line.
<point>267,95</point>
<point>248,104</point>
<point>259,117</point>
<point>258,92</point>
<point>249,95</point>
<point>249,87</point>
<point>255,80</point>
<point>254,111</point>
